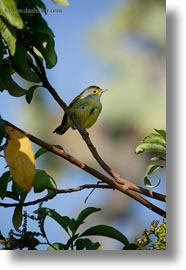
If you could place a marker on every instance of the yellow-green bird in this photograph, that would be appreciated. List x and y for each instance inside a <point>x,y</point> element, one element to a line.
<point>86,108</point>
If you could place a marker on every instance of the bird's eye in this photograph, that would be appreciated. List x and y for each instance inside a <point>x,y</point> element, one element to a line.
<point>95,91</point>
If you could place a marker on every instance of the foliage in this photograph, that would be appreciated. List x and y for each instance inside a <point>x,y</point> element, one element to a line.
<point>154,142</point>
<point>19,32</point>
<point>154,238</point>
<point>24,239</point>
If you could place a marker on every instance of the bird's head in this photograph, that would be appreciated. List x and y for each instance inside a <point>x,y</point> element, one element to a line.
<point>92,90</point>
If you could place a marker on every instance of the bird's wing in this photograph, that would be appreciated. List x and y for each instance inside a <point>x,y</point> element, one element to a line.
<point>74,100</point>
<point>64,121</point>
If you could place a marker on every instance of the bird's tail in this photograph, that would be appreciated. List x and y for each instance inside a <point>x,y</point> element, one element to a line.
<point>61,129</point>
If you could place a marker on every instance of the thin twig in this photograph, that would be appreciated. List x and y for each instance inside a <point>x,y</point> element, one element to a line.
<point>56,192</point>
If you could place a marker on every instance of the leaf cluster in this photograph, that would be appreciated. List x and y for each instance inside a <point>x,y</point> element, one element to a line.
<point>24,239</point>
<point>22,27</point>
<point>154,238</point>
<point>154,143</point>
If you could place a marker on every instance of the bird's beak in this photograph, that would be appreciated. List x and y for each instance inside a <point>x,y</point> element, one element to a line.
<point>104,90</point>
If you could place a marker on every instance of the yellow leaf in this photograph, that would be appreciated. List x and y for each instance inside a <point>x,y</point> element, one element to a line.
<point>20,158</point>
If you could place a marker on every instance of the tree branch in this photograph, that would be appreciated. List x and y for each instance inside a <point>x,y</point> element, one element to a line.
<point>130,190</point>
<point>56,192</point>
<point>85,135</point>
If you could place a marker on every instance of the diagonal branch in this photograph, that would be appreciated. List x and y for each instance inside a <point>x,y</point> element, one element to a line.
<point>85,135</point>
<point>130,190</point>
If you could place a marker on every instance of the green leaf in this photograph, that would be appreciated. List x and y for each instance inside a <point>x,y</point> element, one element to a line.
<point>17,190</point>
<point>30,93</point>
<point>31,5</point>
<point>161,132</point>
<point>48,52</point>
<point>2,130</point>
<point>43,181</point>
<point>8,11</point>
<point>154,142</point>
<point>55,216</point>
<point>148,183</point>
<point>104,230</point>
<point>61,2</point>
<point>154,138</point>
<point>42,151</point>
<point>21,65</point>
<point>87,244</point>
<point>158,159</point>
<point>9,84</point>
<point>40,36</point>
<point>17,217</point>
<point>152,168</point>
<point>9,34</point>
<point>71,223</point>
<point>4,179</point>
<point>84,214</point>
<point>56,246</point>
<point>150,147</point>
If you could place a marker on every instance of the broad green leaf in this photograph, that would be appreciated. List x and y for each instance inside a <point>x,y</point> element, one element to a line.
<point>46,47</point>
<point>30,93</point>
<point>12,196</point>
<point>41,37</point>
<point>21,65</point>
<point>71,223</point>
<point>43,181</point>
<point>9,34</point>
<point>40,26</point>
<point>150,147</point>
<point>154,142</point>
<point>4,179</point>
<point>61,2</point>
<point>154,138</point>
<point>86,244</point>
<point>84,214</point>
<point>42,151</point>
<point>8,83</point>
<point>2,130</point>
<point>148,184</point>
<point>34,4</point>
<point>17,217</point>
<point>14,89</point>
<point>104,230</point>
<point>17,190</point>
<point>8,11</point>
<point>55,216</point>
<point>20,158</point>
<point>161,132</point>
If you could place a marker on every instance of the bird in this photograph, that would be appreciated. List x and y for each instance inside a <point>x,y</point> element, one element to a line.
<point>86,107</point>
